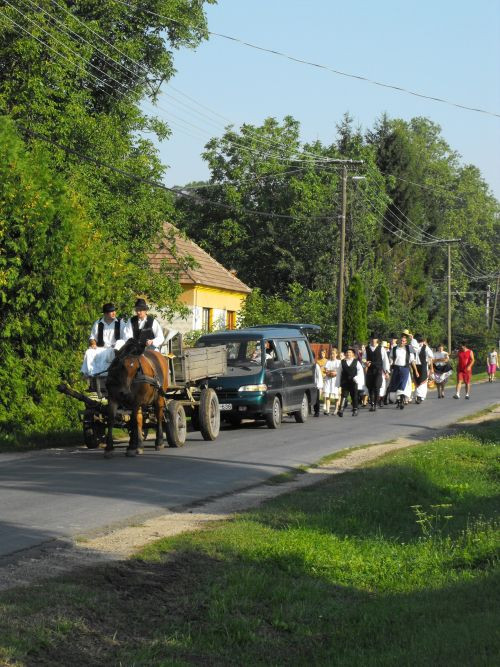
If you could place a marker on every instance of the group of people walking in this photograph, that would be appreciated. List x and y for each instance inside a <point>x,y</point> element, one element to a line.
<point>384,372</point>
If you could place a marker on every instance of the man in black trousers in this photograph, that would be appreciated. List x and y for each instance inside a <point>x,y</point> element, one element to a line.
<point>377,363</point>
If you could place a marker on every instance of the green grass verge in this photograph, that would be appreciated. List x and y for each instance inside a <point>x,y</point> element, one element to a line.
<point>392,564</point>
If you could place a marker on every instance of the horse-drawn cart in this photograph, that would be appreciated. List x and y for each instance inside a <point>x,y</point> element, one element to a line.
<point>187,394</point>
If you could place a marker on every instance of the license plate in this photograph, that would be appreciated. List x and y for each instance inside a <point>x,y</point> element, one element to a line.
<point>226,406</point>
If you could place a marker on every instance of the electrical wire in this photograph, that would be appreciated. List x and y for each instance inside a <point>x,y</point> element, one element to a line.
<point>318,65</point>
<point>177,192</point>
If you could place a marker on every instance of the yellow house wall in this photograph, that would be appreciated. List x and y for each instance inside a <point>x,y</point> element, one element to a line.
<point>211,297</point>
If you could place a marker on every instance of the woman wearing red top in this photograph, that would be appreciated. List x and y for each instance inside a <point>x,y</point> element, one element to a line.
<point>464,369</point>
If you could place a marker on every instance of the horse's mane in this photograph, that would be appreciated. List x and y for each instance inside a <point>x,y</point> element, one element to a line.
<point>132,348</point>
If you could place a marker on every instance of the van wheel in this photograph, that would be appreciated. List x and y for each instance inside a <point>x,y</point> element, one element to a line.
<point>273,420</point>
<point>302,414</point>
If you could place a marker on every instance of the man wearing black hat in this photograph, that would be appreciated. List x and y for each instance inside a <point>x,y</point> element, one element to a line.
<point>106,332</point>
<point>144,327</point>
<point>377,364</point>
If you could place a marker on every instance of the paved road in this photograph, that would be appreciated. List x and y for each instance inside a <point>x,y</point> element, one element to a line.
<point>60,493</point>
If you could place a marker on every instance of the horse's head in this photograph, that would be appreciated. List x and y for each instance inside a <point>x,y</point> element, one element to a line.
<point>123,370</point>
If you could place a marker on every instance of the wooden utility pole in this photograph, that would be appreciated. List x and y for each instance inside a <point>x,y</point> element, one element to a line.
<point>449,299</point>
<point>494,314</point>
<point>340,321</point>
<point>449,242</point>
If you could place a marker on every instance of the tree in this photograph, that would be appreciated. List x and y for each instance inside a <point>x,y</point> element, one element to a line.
<point>356,327</point>
<point>51,285</point>
<point>74,75</point>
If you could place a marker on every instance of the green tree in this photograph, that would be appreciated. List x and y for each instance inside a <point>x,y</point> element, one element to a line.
<point>51,286</point>
<point>356,327</point>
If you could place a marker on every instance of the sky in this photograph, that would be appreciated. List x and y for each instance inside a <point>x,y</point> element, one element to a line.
<point>443,48</point>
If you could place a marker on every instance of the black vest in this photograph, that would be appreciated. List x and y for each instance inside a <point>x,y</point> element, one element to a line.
<point>348,372</point>
<point>375,357</point>
<point>407,354</point>
<point>422,356</point>
<point>422,363</point>
<point>100,333</point>
<point>146,333</point>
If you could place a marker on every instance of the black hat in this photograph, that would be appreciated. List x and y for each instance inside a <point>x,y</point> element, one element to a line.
<point>140,304</point>
<point>108,308</point>
<point>375,335</point>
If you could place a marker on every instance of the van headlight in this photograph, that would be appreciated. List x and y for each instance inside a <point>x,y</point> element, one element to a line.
<point>254,387</point>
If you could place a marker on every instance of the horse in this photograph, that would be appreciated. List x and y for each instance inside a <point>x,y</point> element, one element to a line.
<point>135,380</point>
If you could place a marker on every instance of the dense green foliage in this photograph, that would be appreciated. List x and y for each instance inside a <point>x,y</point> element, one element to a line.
<point>392,564</point>
<point>81,76</point>
<point>356,329</point>
<point>271,212</point>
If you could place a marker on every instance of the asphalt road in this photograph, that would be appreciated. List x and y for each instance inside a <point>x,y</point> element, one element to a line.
<point>58,493</point>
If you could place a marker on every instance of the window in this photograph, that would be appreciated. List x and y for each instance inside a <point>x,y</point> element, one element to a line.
<point>207,319</point>
<point>230,319</point>
<point>285,351</point>
<point>304,352</point>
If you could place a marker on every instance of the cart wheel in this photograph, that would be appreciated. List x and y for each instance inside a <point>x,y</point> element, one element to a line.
<point>176,426</point>
<point>209,414</point>
<point>90,437</point>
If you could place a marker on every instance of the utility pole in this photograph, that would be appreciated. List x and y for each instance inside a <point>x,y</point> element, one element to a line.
<point>488,294</point>
<point>494,314</point>
<point>340,320</point>
<point>449,242</point>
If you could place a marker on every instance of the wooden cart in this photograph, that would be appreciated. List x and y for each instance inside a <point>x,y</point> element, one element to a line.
<point>187,394</point>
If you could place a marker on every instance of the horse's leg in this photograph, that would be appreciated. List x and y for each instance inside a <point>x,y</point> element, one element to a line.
<point>159,409</point>
<point>112,408</point>
<point>135,447</point>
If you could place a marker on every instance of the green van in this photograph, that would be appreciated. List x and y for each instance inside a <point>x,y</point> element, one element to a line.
<point>270,372</point>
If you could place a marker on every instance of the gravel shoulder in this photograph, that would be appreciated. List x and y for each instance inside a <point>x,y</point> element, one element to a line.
<point>60,556</point>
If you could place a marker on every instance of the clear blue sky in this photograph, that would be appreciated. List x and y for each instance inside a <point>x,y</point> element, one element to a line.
<point>445,48</point>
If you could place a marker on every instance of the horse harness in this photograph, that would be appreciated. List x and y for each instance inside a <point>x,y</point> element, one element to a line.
<point>154,381</point>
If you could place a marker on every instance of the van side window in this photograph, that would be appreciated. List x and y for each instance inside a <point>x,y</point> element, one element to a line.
<point>297,353</point>
<point>304,352</point>
<point>285,351</point>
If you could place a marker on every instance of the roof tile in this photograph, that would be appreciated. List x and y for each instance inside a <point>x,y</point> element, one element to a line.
<point>208,272</point>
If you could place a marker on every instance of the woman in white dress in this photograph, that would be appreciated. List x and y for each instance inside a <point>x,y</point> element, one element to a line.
<point>330,388</point>
<point>442,369</point>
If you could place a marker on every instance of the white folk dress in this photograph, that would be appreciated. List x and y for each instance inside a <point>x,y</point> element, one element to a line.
<point>97,359</point>
<point>330,388</point>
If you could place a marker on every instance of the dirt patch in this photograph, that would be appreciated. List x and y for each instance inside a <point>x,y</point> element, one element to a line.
<point>59,557</point>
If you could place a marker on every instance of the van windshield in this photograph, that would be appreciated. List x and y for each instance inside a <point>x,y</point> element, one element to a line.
<point>241,353</point>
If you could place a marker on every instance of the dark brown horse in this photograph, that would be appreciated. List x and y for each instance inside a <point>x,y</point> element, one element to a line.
<point>135,380</point>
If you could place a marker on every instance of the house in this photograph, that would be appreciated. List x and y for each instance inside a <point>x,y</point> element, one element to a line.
<point>213,294</point>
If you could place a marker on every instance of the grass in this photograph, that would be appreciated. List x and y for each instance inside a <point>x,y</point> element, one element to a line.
<point>479,413</point>
<point>392,564</point>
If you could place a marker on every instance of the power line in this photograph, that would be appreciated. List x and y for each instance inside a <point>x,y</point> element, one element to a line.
<point>156,184</point>
<point>318,65</point>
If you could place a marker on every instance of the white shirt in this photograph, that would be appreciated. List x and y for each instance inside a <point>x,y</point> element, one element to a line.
<point>108,334</point>
<point>318,376</point>
<point>158,339</point>
<point>401,356</point>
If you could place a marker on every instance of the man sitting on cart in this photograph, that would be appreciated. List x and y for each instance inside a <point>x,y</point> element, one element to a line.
<point>107,335</point>
<point>144,327</point>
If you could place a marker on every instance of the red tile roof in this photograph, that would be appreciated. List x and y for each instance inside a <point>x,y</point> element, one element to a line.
<point>208,271</point>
